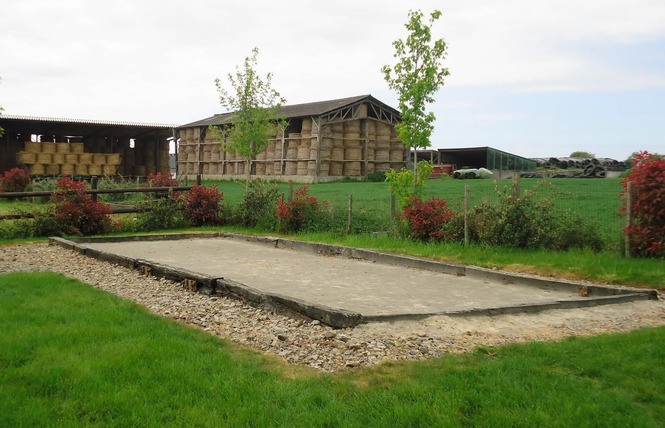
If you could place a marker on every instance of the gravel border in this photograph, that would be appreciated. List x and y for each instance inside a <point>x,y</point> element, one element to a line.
<point>297,340</point>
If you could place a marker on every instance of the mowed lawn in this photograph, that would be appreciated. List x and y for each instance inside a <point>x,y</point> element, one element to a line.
<point>72,355</point>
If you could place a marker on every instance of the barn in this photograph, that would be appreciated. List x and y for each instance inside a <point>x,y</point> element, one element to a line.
<point>323,141</point>
<point>52,146</point>
<point>501,163</point>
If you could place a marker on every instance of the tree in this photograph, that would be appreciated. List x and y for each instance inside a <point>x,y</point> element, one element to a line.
<point>416,77</point>
<point>254,105</point>
<point>580,154</point>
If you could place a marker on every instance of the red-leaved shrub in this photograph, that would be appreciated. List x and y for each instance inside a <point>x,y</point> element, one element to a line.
<point>426,218</point>
<point>647,229</point>
<point>75,212</point>
<point>201,205</point>
<point>14,180</point>
<point>300,212</point>
<point>161,180</point>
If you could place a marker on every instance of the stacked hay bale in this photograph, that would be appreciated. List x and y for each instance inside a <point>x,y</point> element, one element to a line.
<point>337,149</point>
<point>294,141</point>
<point>66,159</point>
<point>353,149</point>
<point>382,149</point>
<point>324,151</point>
<point>396,150</point>
<point>278,157</point>
<point>304,148</point>
<point>164,167</point>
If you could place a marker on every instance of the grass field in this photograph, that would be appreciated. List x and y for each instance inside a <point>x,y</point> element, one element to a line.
<point>72,355</point>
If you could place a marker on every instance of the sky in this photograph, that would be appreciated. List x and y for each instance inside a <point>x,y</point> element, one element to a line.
<point>537,78</point>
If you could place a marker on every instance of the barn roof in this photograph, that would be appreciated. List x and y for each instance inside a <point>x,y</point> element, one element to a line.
<point>299,110</point>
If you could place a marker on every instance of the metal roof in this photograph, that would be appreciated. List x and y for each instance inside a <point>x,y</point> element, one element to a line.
<point>298,110</point>
<point>84,121</point>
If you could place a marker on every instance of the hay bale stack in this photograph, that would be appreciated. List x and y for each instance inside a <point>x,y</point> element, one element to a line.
<point>85,158</point>
<point>67,169</point>
<point>33,147</point>
<point>206,169</point>
<point>95,169</point>
<point>306,125</point>
<point>36,169</point>
<point>44,158</point>
<point>396,155</point>
<point>336,161</point>
<point>58,158</point>
<point>109,169</point>
<point>81,169</point>
<point>71,158</point>
<point>48,148</point>
<point>77,148</point>
<point>62,148</point>
<point>98,159</point>
<point>27,158</point>
<point>52,169</point>
<point>240,167</point>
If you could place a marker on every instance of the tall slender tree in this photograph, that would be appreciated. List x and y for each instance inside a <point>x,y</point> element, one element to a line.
<point>416,77</point>
<point>253,104</point>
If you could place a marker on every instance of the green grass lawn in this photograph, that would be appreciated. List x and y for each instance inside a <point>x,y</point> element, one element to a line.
<point>72,355</point>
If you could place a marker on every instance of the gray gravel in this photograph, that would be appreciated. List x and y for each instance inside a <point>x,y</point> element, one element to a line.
<point>296,340</point>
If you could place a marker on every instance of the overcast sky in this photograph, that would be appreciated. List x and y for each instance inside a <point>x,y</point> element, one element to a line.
<point>536,78</point>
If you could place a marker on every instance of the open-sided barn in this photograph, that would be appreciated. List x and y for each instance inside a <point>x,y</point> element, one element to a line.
<point>51,146</point>
<point>326,140</point>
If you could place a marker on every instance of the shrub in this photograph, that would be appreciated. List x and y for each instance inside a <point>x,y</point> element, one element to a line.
<point>300,214</point>
<point>201,205</point>
<point>111,183</point>
<point>257,206</point>
<point>14,180</point>
<point>427,219</point>
<point>647,229</point>
<point>75,212</point>
<point>402,183</point>
<point>163,213</point>
<point>160,180</point>
<point>527,222</point>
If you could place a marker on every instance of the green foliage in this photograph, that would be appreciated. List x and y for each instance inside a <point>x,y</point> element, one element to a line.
<point>164,213</point>
<point>257,208</point>
<point>111,183</point>
<point>253,104</point>
<point>416,77</point>
<point>527,221</point>
<point>376,177</point>
<point>581,154</point>
<point>404,185</point>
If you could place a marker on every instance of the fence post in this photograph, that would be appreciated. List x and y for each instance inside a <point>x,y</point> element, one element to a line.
<point>466,215</point>
<point>629,218</point>
<point>93,186</point>
<point>516,184</point>
<point>348,225</point>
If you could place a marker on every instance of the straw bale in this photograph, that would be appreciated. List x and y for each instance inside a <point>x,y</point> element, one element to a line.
<point>383,167</point>
<point>337,153</point>
<point>240,168</point>
<point>277,168</point>
<point>383,129</point>
<point>260,168</point>
<point>44,158</point>
<point>291,168</point>
<point>36,169</point>
<point>109,169</point>
<point>71,158</point>
<point>307,125</point>
<point>352,126</point>
<point>382,155</point>
<point>48,147</point>
<point>95,169</point>
<point>85,158</point>
<point>229,168</point>
<point>270,168</point>
<point>214,168</point>
<point>370,168</point>
<point>261,156</point>
<point>371,153</point>
<point>215,156</point>
<point>326,143</point>
<point>77,148</point>
<point>383,142</point>
<point>113,158</point>
<point>207,156</point>
<point>27,157</point>
<point>206,169</point>
<point>362,111</point>
<point>351,169</point>
<point>397,155</point>
<point>324,169</point>
<point>52,169</point>
<point>352,139</point>
<point>302,168</point>
<point>81,169</point>
<point>67,169</point>
<point>303,152</point>
<point>192,157</point>
<point>98,159</point>
<point>336,169</point>
<point>58,158</point>
<point>371,127</point>
<point>62,147</point>
<point>33,146</point>
<point>354,153</point>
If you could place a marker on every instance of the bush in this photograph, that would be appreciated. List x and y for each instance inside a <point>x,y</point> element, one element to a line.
<point>403,185</point>
<point>75,212</point>
<point>163,213</point>
<point>527,222</point>
<point>302,213</point>
<point>14,180</point>
<point>257,206</point>
<point>201,205</point>
<point>647,229</point>
<point>427,219</point>
<point>111,183</point>
<point>160,180</point>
